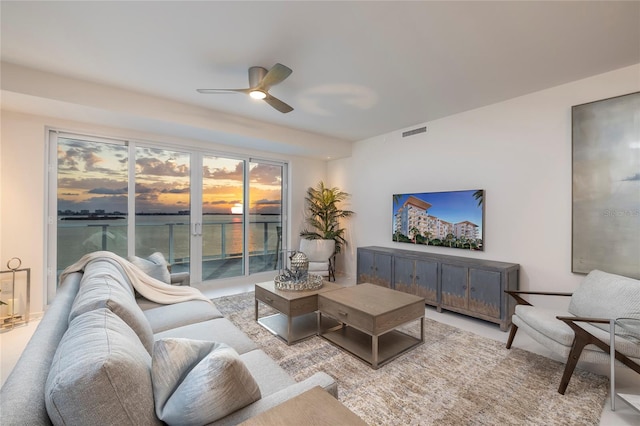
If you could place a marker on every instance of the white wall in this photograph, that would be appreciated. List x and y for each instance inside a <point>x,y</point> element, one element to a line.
<point>519,151</point>
<point>22,185</point>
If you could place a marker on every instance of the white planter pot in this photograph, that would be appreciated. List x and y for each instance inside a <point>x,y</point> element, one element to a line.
<point>317,250</point>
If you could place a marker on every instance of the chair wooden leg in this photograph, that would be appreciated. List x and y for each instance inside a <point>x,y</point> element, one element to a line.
<point>576,350</point>
<point>512,334</point>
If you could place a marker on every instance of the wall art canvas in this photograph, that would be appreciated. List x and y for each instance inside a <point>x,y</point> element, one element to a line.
<point>606,186</point>
<point>449,219</point>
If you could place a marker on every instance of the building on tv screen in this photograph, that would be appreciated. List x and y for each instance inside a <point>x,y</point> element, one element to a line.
<point>449,219</point>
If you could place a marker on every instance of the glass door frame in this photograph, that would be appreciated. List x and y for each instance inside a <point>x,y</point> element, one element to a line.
<point>196,212</point>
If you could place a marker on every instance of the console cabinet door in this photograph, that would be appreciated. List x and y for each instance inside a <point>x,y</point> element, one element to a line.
<point>403,270</point>
<point>382,269</point>
<point>426,281</point>
<point>454,286</point>
<point>374,268</point>
<point>419,277</point>
<point>365,266</point>
<point>485,292</point>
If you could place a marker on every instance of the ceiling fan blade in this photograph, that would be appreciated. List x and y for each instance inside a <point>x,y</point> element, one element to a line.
<point>275,75</point>
<point>278,104</point>
<point>208,91</point>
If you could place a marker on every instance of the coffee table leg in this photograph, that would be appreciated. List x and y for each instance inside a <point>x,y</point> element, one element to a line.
<point>289,328</point>
<point>422,329</point>
<point>256,309</point>
<point>374,351</point>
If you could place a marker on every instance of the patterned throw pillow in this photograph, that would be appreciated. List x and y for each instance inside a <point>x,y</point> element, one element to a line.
<point>155,266</point>
<point>197,382</point>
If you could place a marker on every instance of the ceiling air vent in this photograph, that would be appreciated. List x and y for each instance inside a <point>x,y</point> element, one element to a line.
<point>414,132</point>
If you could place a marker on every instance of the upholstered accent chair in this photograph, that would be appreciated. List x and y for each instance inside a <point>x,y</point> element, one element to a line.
<point>582,333</point>
<point>321,255</point>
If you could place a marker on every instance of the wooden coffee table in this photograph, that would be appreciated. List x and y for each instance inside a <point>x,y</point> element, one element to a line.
<point>369,315</point>
<point>296,318</point>
<point>313,407</point>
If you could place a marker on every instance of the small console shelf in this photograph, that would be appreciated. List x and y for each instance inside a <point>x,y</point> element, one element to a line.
<point>473,287</point>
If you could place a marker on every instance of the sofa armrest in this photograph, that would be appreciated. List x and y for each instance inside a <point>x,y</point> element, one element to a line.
<point>520,301</point>
<point>180,278</point>
<point>319,379</point>
<point>22,397</point>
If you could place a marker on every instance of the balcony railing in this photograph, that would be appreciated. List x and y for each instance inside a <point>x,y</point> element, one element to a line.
<point>221,241</point>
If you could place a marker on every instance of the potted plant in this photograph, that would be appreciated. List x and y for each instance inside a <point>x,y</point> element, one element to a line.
<point>323,215</point>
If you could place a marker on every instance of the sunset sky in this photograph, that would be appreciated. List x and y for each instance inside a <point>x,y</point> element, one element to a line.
<point>94,176</point>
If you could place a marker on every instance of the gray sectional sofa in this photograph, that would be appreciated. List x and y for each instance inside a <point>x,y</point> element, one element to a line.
<point>90,360</point>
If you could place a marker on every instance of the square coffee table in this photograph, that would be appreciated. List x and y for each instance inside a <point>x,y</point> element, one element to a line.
<point>296,318</point>
<point>369,315</point>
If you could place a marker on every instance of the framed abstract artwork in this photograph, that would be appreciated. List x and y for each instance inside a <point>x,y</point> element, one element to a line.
<point>606,186</point>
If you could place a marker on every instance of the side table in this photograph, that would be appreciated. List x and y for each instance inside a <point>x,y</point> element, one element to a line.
<point>629,326</point>
<point>314,407</point>
<point>296,317</point>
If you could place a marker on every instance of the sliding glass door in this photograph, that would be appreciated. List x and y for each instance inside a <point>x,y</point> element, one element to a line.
<point>211,215</point>
<point>91,198</point>
<point>222,235</point>
<point>265,215</point>
<point>162,205</point>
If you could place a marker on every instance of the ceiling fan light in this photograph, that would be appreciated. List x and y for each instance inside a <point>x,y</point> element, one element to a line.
<point>257,94</point>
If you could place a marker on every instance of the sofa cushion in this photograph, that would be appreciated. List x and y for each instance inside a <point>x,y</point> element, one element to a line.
<point>197,382</point>
<point>216,330</point>
<point>605,295</point>
<point>271,378</point>
<point>105,292</point>
<point>102,267</point>
<point>155,266</point>
<point>100,374</point>
<point>166,317</point>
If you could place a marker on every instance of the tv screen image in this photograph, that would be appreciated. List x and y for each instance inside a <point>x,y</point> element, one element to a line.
<point>447,219</point>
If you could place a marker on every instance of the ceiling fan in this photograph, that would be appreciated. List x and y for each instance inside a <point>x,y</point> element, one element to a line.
<point>260,81</point>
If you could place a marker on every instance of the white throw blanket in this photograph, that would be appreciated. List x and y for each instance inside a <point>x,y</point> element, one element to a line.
<point>150,288</point>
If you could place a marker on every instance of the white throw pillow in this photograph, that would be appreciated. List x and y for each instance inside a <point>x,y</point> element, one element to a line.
<point>197,382</point>
<point>155,266</point>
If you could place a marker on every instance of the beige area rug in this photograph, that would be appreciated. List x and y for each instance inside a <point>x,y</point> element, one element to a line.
<point>454,378</point>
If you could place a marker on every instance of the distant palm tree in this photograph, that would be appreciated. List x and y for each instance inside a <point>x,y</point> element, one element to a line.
<point>479,195</point>
<point>396,199</point>
<point>449,239</point>
<point>427,236</point>
<point>415,231</point>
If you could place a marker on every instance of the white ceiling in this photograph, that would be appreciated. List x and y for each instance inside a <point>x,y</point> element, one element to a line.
<point>360,69</point>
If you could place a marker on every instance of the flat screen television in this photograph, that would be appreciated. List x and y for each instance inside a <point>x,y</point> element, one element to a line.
<point>447,219</point>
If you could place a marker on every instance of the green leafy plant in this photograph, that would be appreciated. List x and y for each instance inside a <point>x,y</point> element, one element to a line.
<point>323,214</point>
